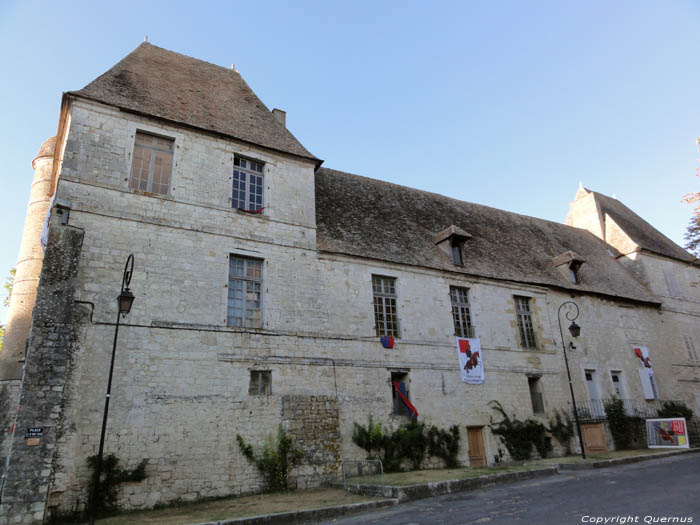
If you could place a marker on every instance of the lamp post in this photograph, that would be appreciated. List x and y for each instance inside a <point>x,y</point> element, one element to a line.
<point>124,302</point>
<point>575,332</point>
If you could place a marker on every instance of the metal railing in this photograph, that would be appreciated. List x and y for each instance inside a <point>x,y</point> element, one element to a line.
<point>593,410</point>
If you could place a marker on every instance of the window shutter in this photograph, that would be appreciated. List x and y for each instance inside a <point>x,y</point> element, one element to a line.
<point>646,383</point>
<point>671,283</point>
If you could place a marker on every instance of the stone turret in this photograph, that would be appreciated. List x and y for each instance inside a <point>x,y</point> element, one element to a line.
<point>31,256</point>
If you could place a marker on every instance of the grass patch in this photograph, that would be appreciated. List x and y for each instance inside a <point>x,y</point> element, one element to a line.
<point>417,477</point>
<point>612,454</point>
<point>238,507</point>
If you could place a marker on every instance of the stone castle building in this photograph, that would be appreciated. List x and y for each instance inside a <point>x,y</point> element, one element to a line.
<point>264,282</point>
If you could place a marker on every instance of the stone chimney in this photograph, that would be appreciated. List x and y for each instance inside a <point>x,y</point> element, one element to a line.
<point>280,116</point>
<point>31,256</point>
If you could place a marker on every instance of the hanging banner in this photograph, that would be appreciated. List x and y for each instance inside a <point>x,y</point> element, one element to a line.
<point>667,433</point>
<point>470,360</point>
<point>646,372</point>
<point>642,352</point>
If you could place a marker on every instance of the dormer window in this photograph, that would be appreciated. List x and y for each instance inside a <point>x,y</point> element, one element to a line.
<point>457,252</point>
<point>573,271</point>
<point>569,263</point>
<point>451,241</point>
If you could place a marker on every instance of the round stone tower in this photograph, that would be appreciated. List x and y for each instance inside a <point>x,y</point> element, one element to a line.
<point>31,255</point>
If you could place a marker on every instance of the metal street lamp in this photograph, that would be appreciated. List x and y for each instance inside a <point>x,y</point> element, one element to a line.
<point>124,302</point>
<point>575,332</point>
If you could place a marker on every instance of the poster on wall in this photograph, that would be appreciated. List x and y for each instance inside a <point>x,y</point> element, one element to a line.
<point>470,360</point>
<point>667,433</point>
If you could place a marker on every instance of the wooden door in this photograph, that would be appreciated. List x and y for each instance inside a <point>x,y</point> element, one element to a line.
<point>593,437</point>
<point>477,452</point>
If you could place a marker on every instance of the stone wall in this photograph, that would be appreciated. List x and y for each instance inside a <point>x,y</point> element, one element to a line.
<point>678,285</point>
<point>9,401</point>
<point>46,379</point>
<point>313,423</point>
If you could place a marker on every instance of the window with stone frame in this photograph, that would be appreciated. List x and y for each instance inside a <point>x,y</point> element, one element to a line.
<point>535,385</point>
<point>461,314</point>
<point>152,163</point>
<point>385,318</point>
<point>618,388</point>
<point>260,383</point>
<point>400,380</point>
<point>525,324</point>
<point>244,292</point>
<point>247,184</point>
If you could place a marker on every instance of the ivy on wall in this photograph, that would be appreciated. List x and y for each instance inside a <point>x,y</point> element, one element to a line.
<point>277,459</point>
<point>411,442</point>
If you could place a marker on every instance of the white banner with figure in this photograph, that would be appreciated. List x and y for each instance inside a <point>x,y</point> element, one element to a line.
<point>646,372</point>
<point>470,361</point>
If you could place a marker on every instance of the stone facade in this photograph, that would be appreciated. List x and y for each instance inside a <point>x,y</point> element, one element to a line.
<point>314,425</point>
<point>182,381</point>
<point>46,383</point>
<point>670,274</point>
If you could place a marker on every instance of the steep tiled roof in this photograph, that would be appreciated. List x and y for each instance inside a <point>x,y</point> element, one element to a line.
<point>370,218</point>
<point>640,231</point>
<point>160,83</point>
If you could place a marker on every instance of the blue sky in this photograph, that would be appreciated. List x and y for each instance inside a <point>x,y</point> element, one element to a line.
<point>508,104</point>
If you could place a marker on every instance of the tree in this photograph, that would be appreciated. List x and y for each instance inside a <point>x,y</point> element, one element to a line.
<point>9,282</point>
<point>692,234</point>
<point>2,335</point>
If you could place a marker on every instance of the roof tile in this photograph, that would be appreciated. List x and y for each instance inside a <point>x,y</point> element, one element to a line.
<point>371,218</point>
<point>161,83</point>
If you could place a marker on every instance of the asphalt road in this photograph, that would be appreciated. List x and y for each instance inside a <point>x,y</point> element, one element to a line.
<point>638,493</point>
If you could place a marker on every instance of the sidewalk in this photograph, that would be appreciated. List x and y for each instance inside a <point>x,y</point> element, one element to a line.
<point>401,485</point>
<point>371,492</point>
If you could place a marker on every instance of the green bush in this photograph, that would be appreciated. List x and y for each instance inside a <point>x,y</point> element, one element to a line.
<point>621,425</point>
<point>444,444</point>
<point>277,459</point>
<point>562,428</point>
<point>371,438</point>
<point>106,498</point>
<point>112,476</point>
<point>675,409</point>
<point>520,436</point>
<point>410,442</point>
<point>536,432</point>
